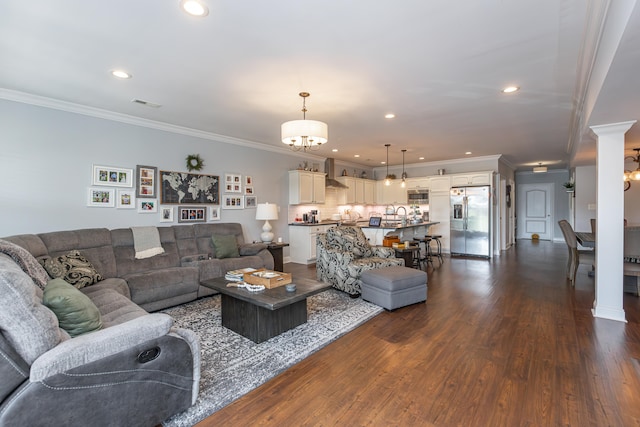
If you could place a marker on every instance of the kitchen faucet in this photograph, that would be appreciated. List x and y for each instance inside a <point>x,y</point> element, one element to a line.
<point>404,218</point>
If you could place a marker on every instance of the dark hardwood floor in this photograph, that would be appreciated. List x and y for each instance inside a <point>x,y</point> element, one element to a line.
<point>506,342</point>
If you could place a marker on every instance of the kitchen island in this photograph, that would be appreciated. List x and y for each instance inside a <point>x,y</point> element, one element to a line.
<point>404,232</point>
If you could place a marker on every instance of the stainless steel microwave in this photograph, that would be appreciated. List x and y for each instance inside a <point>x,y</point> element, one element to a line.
<point>418,196</point>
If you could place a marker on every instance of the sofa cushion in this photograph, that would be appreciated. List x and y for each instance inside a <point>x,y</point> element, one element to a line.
<point>93,243</point>
<point>226,246</point>
<point>26,261</point>
<point>29,326</point>
<point>72,268</point>
<point>76,313</point>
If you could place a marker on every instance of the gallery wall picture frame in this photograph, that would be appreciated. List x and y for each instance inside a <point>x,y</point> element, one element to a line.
<point>146,177</point>
<point>248,190</point>
<point>166,213</point>
<point>189,188</point>
<point>101,197</point>
<point>232,183</point>
<point>248,180</point>
<point>126,199</point>
<point>232,202</point>
<point>112,176</point>
<point>192,214</point>
<point>147,205</point>
<point>215,213</point>
<point>250,202</point>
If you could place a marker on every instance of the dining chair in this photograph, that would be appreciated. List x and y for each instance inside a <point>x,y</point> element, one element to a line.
<point>576,257</point>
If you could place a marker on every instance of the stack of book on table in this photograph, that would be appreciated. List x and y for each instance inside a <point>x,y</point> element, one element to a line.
<point>238,275</point>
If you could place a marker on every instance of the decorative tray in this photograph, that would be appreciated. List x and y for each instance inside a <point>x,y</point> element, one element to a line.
<point>267,278</point>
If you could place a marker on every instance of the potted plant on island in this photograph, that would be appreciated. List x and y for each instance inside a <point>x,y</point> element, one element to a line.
<point>570,186</point>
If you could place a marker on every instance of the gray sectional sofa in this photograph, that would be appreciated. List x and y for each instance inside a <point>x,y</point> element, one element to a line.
<point>138,369</point>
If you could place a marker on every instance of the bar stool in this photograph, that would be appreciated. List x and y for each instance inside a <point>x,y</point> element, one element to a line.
<point>427,258</point>
<point>436,238</point>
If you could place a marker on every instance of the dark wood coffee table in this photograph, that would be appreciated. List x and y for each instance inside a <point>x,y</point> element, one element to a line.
<point>264,314</point>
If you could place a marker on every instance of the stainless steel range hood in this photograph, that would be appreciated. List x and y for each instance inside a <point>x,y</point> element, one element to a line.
<point>330,170</point>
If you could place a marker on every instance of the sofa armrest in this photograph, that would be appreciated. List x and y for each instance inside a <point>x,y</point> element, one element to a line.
<point>383,251</point>
<point>93,346</point>
<point>251,248</point>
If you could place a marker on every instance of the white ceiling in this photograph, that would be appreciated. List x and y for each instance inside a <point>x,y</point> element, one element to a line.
<point>438,65</point>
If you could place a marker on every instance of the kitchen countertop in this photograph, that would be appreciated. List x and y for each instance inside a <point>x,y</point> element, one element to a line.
<point>311,224</point>
<point>365,224</point>
<point>398,226</point>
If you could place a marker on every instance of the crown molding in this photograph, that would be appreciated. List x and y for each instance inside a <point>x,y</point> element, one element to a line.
<point>70,107</point>
<point>495,157</point>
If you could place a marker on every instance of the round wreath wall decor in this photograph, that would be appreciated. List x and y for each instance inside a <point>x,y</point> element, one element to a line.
<point>194,162</point>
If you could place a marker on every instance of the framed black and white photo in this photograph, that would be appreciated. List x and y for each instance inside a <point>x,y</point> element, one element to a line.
<point>232,202</point>
<point>192,214</point>
<point>215,213</point>
<point>126,199</point>
<point>146,181</point>
<point>166,214</point>
<point>101,197</point>
<point>112,176</point>
<point>250,202</point>
<point>147,205</point>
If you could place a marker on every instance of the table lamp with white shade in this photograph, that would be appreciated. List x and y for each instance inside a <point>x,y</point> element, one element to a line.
<point>266,212</point>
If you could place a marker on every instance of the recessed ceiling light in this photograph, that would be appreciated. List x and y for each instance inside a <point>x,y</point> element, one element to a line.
<point>356,155</point>
<point>335,150</point>
<point>510,89</point>
<point>121,74</point>
<point>383,163</point>
<point>420,158</point>
<point>390,116</point>
<point>468,152</point>
<point>194,7</point>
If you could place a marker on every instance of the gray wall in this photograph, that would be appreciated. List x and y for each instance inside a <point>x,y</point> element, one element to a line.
<point>562,199</point>
<point>46,160</point>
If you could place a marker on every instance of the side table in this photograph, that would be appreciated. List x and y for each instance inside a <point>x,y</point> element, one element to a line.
<point>411,256</point>
<point>276,252</point>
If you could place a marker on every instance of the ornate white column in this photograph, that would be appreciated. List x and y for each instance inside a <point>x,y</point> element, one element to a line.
<point>610,216</point>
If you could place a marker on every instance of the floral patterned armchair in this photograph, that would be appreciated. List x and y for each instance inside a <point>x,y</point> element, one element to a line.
<point>343,253</point>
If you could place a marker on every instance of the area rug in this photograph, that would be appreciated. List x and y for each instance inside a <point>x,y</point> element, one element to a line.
<point>233,365</point>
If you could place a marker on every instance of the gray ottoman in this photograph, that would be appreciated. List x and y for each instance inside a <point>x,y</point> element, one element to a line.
<point>393,287</point>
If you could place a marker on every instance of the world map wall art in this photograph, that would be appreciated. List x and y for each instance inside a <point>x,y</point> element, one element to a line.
<point>189,188</point>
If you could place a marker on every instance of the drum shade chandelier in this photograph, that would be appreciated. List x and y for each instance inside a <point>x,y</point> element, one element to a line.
<point>304,134</point>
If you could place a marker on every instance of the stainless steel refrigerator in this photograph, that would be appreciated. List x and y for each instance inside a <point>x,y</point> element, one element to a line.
<point>471,221</point>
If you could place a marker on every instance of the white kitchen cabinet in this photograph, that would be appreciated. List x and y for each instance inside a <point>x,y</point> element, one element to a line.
<point>306,187</point>
<point>360,192</point>
<point>369,192</point>
<point>302,242</point>
<point>479,178</point>
<point>439,212</point>
<point>440,183</point>
<point>373,235</point>
<point>392,194</point>
<point>420,183</point>
<point>347,196</point>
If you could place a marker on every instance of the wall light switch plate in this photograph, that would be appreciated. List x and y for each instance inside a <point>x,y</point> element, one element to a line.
<point>591,206</point>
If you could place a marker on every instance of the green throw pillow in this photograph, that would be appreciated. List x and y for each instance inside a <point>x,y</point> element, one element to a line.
<point>76,313</point>
<point>226,246</point>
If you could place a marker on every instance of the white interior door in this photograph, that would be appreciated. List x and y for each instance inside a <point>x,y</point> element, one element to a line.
<point>535,211</point>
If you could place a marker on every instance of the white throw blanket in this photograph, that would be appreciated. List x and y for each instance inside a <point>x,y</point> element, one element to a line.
<point>146,241</point>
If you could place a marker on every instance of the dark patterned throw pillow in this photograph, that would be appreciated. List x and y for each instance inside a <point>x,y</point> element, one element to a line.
<point>72,268</point>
